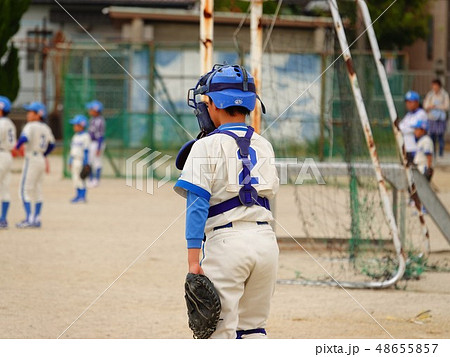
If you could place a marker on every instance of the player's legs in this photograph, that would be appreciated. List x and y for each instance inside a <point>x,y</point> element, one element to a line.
<point>78,183</point>
<point>96,162</point>
<point>39,178</point>
<point>26,188</point>
<point>5,167</point>
<point>254,305</point>
<point>227,265</point>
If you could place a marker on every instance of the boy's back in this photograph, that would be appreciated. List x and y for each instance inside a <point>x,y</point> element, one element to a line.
<point>39,135</point>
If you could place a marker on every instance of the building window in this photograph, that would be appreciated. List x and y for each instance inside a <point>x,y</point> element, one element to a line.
<point>37,40</point>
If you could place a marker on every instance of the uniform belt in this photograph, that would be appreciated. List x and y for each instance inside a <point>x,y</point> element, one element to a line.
<point>230,225</point>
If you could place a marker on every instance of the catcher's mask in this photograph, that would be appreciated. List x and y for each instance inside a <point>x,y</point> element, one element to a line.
<point>227,86</point>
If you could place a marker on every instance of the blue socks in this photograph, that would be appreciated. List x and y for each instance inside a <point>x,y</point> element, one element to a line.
<point>27,207</point>
<point>98,174</point>
<point>37,211</point>
<point>5,206</point>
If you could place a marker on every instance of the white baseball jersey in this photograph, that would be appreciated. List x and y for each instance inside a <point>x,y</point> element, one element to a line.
<point>39,135</point>
<point>7,134</point>
<point>213,170</point>
<point>406,126</point>
<point>424,147</point>
<point>80,143</point>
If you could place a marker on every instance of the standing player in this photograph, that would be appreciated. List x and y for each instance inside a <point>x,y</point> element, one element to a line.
<point>97,147</point>
<point>7,142</point>
<point>406,126</point>
<point>79,153</point>
<point>39,141</point>
<point>228,179</point>
<point>425,149</point>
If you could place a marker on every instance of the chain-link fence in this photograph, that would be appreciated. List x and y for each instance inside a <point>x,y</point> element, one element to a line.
<point>144,88</point>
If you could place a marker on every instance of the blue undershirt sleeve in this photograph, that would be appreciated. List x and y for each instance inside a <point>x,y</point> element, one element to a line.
<point>22,140</point>
<point>196,216</point>
<point>50,148</point>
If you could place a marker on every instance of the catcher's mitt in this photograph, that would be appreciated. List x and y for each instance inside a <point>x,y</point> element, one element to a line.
<point>85,171</point>
<point>203,305</point>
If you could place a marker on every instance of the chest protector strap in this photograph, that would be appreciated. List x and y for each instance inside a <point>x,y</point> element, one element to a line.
<point>248,195</point>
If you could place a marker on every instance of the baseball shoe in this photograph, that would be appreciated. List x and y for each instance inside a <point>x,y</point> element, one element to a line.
<point>92,183</point>
<point>24,224</point>
<point>3,224</point>
<point>78,200</point>
<point>36,224</point>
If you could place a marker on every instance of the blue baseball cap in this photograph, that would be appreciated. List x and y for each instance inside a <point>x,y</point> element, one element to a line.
<point>5,105</point>
<point>37,107</point>
<point>95,105</point>
<point>412,96</point>
<point>421,124</point>
<point>79,120</point>
<point>225,88</point>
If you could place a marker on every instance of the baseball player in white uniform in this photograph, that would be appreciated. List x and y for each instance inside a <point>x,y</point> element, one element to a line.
<point>7,143</point>
<point>228,178</point>
<point>79,156</point>
<point>97,146</point>
<point>39,142</point>
<point>425,148</point>
<point>406,126</point>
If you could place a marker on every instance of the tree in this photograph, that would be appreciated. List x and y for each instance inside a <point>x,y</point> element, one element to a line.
<point>11,12</point>
<point>401,25</point>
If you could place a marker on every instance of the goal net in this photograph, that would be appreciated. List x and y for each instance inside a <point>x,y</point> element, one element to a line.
<point>341,233</point>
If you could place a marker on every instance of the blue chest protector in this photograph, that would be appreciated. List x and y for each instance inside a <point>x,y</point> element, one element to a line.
<point>248,196</point>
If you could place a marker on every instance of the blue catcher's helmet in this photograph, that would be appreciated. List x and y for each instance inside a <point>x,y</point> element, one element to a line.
<point>227,86</point>
<point>5,105</point>
<point>421,124</point>
<point>79,120</point>
<point>95,105</point>
<point>412,96</point>
<point>37,107</point>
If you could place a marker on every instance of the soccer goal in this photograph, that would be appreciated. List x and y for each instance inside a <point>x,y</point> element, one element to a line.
<point>363,228</point>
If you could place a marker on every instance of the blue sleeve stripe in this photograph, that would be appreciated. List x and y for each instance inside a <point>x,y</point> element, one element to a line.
<point>194,243</point>
<point>193,188</point>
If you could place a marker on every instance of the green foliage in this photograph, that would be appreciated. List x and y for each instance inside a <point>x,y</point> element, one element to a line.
<point>11,12</point>
<point>9,74</point>
<point>401,25</point>
<point>242,6</point>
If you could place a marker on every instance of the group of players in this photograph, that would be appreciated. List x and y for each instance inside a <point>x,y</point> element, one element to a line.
<point>87,145</point>
<point>423,128</point>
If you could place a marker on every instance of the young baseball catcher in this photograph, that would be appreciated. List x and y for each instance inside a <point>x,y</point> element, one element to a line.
<point>39,141</point>
<point>228,176</point>
<point>7,143</point>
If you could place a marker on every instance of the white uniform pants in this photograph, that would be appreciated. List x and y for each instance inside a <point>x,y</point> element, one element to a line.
<point>94,159</point>
<point>5,171</point>
<point>32,177</point>
<point>77,166</point>
<point>242,264</point>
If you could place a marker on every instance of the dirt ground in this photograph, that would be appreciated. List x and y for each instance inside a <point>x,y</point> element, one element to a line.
<point>125,251</point>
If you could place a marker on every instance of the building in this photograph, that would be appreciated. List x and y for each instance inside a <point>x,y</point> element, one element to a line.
<point>430,58</point>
